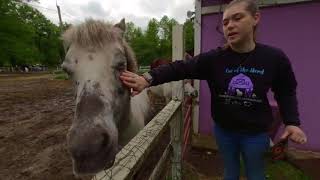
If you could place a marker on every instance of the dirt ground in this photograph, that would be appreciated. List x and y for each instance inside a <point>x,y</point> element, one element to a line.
<point>36,112</point>
<point>201,164</point>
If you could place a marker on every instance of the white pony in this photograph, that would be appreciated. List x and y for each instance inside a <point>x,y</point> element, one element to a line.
<point>106,116</point>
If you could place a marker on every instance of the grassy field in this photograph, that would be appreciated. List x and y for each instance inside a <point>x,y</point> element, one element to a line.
<point>279,170</point>
<point>59,74</point>
<point>282,170</point>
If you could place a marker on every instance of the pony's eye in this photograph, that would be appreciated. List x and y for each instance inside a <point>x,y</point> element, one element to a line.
<point>122,62</point>
<point>120,56</point>
<point>121,66</point>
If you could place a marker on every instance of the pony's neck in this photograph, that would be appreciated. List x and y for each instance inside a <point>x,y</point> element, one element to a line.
<point>141,103</point>
<point>140,111</point>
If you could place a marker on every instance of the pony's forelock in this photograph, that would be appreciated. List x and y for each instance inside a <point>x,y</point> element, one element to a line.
<point>96,34</point>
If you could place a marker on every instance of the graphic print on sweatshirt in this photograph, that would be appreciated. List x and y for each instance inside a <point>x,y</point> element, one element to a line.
<point>241,88</point>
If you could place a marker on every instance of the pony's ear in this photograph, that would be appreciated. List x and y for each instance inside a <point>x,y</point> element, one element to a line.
<point>121,25</point>
<point>131,59</point>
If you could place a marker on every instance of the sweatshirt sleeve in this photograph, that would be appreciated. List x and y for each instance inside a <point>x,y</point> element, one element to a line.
<point>284,87</point>
<point>196,68</point>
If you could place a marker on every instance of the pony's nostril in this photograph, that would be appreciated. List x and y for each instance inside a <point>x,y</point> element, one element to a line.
<point>76,153</point>
<point>105,140</point>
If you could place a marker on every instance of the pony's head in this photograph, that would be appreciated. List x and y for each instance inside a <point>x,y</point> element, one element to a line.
<point>96,54</point>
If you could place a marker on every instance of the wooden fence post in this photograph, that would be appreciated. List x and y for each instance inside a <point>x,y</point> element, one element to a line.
<point>177,94</point>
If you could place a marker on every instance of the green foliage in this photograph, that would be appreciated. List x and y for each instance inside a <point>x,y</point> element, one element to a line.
<point>189,35</point>
<point>284,170</point>
<point>56,72</point>
<point>61,76</point>
<point>156,41</point>
<point>166,26</point>
<point>27,36</point>
<point>280,170</point>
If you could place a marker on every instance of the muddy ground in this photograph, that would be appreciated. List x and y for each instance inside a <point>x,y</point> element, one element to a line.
<point>36,112</point>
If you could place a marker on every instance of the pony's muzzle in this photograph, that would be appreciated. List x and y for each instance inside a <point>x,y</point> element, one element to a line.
<point>91,151</point>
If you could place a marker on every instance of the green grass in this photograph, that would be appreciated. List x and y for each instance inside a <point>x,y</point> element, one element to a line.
<point>142,71</point>
<point>58,72</point>
<point>283,170</point>
<point>62,76</point>
<point>280,170</point>
<point>188,173</point>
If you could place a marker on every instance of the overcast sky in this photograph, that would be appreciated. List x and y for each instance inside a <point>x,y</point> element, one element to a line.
<point>137,11</point>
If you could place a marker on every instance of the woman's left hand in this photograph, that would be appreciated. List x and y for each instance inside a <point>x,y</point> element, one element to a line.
<point>295,134</point>
<point>134,81</point>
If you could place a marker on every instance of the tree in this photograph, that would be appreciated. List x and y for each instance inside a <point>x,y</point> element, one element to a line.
<point>152,40</point>
<point>189,35</point>
<point>15,36</point>
<point>156,41</point>
<point>138,45</point>
<point>166,26</point>
<point>27,36</point>
<point>129,34</point>
<point>47,35</point>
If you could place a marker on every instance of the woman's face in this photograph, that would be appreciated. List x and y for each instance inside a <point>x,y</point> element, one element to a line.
<point>238,24</point>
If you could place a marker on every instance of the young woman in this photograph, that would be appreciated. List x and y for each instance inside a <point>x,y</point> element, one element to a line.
<point>239,76</point>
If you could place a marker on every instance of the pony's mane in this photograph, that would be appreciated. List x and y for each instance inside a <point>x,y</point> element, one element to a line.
<point>157,62</point>
<point>91,33</point>
<point>95,34</point>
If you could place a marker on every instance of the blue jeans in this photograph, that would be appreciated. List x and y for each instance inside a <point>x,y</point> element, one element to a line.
<point>251,147</point>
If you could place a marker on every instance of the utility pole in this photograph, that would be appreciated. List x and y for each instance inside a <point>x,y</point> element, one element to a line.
<point>60,19</point>
<point>63,53</point>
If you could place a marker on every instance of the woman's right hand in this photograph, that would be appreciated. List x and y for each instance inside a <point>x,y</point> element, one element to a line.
<point>134,81</point>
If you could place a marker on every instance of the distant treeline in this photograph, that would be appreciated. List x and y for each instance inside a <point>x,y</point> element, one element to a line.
<point>27,37</point>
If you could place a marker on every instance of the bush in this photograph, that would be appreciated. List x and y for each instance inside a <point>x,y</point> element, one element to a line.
<point>56,72</point>
<point>62,76</point>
